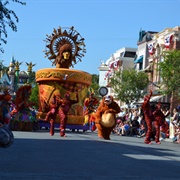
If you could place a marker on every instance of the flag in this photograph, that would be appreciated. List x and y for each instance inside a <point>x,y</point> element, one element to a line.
<point>108,74</point>
<point>168,41</point>
<point>151,49</point>
<point>111,65</point>
<point>116,65</point>
<point>112,62</point>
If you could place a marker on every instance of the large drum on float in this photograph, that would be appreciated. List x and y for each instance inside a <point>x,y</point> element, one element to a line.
<point>52,81</point>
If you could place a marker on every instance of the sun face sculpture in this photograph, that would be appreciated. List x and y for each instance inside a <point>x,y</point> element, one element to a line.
<point>65,47</point>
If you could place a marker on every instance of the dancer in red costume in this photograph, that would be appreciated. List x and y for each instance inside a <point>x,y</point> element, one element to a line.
<point>148,117</point>
<point>51,115</point>
<point>159,120</point>
<point>65,105</point>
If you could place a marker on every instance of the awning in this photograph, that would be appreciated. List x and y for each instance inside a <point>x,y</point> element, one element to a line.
<point>156,98</point>
<point>153,99</point>
<point>139,60</point>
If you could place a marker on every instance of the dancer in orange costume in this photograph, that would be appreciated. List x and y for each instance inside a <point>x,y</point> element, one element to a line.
<point>148,117</point>
<point>159,120</point>
<point>65,105</point>
<point>89,110</point>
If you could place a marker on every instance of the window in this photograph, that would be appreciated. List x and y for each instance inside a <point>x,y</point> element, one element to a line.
<point>129,54</point>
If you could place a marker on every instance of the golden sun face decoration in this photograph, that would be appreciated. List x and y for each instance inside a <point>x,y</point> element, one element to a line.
<point>60,38</point>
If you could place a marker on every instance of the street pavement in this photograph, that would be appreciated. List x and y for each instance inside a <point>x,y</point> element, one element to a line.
<point>82,155</point>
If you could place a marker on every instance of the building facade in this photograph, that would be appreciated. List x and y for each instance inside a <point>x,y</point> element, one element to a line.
<point>145,58</point>
<point>121,59</point>
<point>149,55</point>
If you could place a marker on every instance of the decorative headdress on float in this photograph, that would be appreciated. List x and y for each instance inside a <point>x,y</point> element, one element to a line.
<point>65,39</point>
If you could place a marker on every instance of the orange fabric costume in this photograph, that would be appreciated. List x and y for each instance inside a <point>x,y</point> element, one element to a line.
<point>65,105</point>
<point>89,109</point>
<point>51,115</point>
<point>60,106</point>
<point>159,120</point>
<point>105,118</point>
<point>148,117</point>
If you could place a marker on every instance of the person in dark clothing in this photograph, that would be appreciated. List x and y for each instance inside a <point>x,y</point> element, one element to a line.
<point>133,130</point>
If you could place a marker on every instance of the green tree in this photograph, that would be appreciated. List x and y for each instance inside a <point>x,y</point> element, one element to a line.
<point>169,69</point>
<point>128,85</point>
<point>95,84</point>
<point>7,17</point>
<point>35,96</point>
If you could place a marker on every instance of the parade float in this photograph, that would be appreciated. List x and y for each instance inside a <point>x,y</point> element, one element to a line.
<point>64,48</point>
<point>23,114</point>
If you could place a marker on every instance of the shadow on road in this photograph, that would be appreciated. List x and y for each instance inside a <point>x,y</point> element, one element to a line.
<point>84,156</point>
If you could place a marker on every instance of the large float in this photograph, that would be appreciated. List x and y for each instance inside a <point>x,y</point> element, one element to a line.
<point>59,80</point>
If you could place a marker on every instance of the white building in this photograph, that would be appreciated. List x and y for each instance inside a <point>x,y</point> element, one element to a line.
<point>122,58</point>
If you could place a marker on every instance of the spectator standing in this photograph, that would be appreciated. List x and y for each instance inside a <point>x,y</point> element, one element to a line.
<point>174,122</point>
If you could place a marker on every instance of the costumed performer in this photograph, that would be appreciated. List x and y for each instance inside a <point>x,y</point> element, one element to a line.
<point>105,116</point>
<point>159,120</point>
<point>148,117</point>
<point>89,109</point>
<point>51,115</point>
<point>65,105</point>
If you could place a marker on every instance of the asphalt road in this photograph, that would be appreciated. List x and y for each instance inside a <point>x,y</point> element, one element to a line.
<point>37,155</point>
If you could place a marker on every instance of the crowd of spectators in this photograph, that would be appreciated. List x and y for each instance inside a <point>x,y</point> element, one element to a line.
<point>131,122</point>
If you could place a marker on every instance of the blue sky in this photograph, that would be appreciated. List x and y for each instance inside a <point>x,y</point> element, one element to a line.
<point>106,25</point>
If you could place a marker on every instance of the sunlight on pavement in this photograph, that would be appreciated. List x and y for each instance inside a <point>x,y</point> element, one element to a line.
<point>153,157</point>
